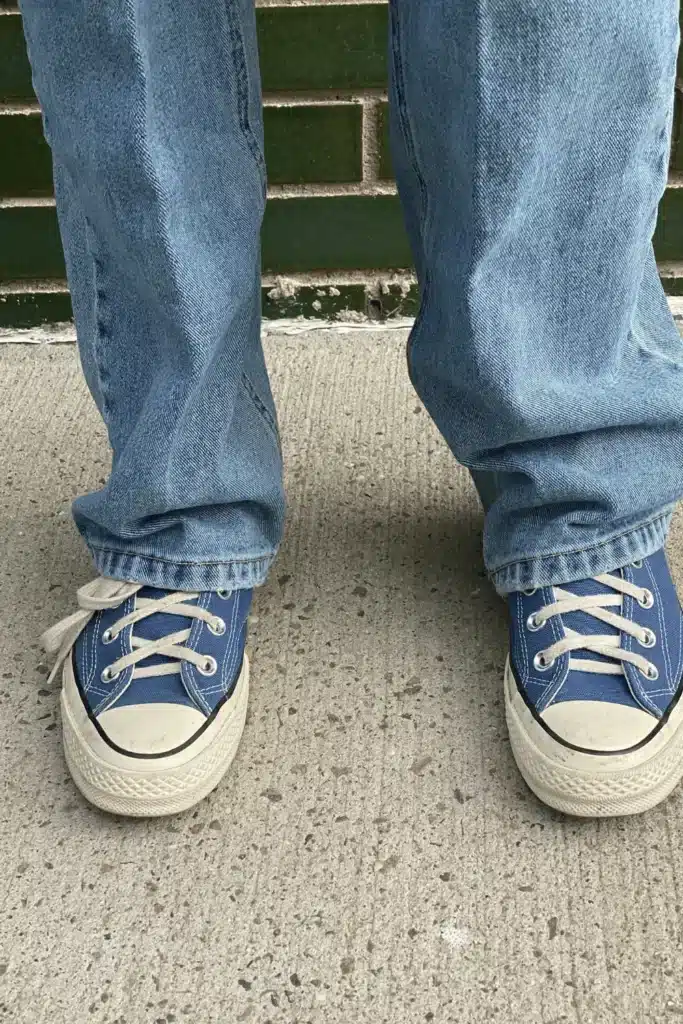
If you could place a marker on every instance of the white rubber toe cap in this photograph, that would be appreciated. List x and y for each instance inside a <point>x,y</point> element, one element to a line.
<point>151,729</point>
<point>597,725</point>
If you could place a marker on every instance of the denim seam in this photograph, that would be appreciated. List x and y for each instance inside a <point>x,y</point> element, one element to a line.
<point>101,332</point>
<point>411,149</point>
<point>584,550</point>
<point>261,407</point>
<point>242,78</point>
<point>178,562</point>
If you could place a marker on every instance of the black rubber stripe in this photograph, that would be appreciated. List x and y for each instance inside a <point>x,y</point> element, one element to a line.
<point>166,753</point>
<point>598,753</point>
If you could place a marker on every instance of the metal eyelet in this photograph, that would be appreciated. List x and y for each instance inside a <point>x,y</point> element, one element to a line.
<point>652,672</point>
<point>650,638</point>
<point>217,627</point>
<point>638,564</point>
<point>224,594</point>
<point>530,593</point>
<point>541,663</point>
<point>532,625</point>
<point>209,667</point>
<point>109,636</point>
<point>107,676</point>
<point>648,599</point>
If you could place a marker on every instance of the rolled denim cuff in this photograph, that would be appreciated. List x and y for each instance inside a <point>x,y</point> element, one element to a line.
<point>559,567</point>
<point>235,574</point>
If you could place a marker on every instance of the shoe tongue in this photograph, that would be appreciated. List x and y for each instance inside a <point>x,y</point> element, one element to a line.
<point>161,624</point>
<point>164,689</point>
<point>584,622</point>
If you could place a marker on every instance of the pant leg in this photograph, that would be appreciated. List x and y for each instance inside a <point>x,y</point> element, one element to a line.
<point>152,110</point>
<point>531,141</point>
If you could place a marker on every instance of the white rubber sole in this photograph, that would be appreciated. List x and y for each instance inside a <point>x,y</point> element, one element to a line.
<point>148,788</point>
<point>593,785</point>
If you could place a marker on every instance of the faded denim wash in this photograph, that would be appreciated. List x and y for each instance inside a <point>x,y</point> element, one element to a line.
<point>530,142</point>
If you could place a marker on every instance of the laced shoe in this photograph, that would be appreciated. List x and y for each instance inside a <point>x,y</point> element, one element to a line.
<point>593,687</point>
<point>154,694</point>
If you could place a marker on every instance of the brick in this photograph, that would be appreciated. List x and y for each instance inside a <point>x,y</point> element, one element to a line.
<point>31,246</point>
<point>26,166</point>
<point>15,72</point>
<point>333,47</point>
<point>335,233</point>
<point>303,144</point>
<point>668,239</point>
<point>314,143</point>
<point>29,309</point>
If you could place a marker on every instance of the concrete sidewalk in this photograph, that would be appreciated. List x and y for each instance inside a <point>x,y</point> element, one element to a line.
<point>373,856</point>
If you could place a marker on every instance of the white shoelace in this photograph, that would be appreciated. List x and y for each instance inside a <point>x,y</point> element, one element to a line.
<point>104,593</point>
<point>609,645</point>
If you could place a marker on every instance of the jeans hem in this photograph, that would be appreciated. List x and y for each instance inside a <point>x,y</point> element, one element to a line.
<point>605,556</point>
<point>234,574</point>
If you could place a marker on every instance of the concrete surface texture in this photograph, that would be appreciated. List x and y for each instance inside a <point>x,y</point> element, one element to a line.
<point>373,855</point>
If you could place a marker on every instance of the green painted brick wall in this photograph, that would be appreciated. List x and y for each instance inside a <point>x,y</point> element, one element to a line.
<point>333,208</point>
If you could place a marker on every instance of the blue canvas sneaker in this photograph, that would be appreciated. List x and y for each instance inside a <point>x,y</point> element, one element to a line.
<point>154,694</point>
<point>593,688</point>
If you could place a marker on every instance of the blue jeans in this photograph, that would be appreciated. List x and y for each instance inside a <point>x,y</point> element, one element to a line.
<point>530,141</point>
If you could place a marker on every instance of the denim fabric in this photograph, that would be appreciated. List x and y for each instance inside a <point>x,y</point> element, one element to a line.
<point>530,141</point>
<point>152,110</point>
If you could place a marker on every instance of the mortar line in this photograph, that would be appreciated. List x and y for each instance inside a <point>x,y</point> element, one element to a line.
<point>279,98</point>
<point>371,141</point>
<point>373,278</point>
